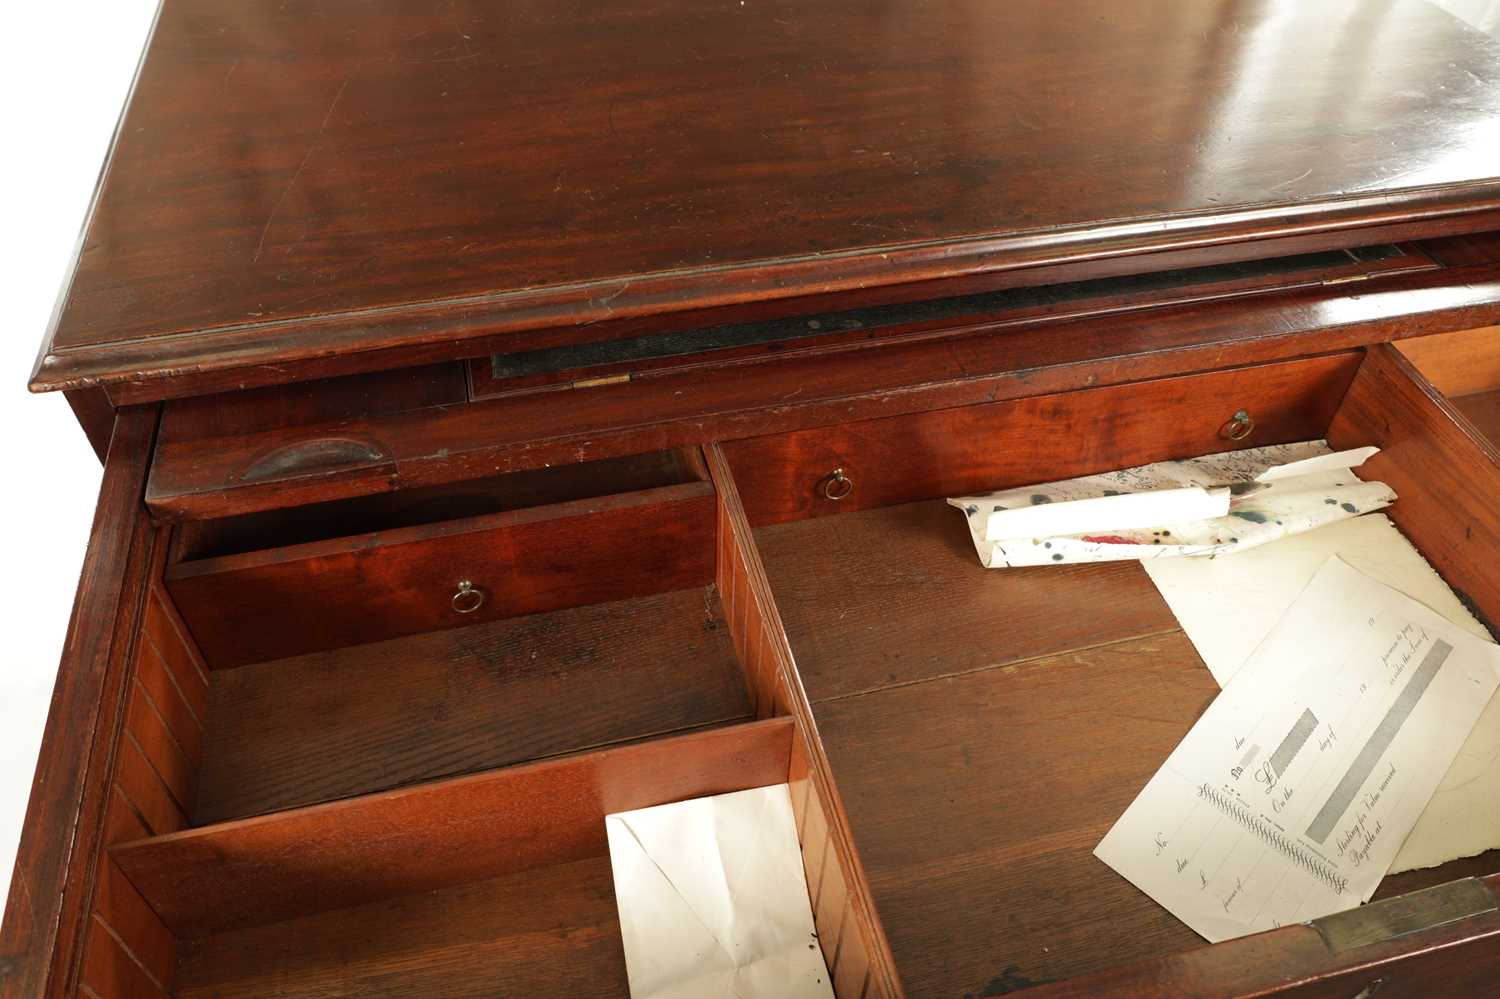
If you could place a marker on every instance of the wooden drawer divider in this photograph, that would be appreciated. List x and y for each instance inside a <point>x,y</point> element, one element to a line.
<point>853,941</point>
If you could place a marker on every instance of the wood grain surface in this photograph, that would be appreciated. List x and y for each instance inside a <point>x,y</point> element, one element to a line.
<point>850,934</point>
<point>1446,473</point>
<point>543,932</point>
<point>951,452</point>
<point>1459,363</point>
<point>676,342</point>
<point>295,180</point>
<point>432,836</point>
<point>892,596</point>
<point>1450,959</point>
<point>984,360</point>
<point>195,540</point>
<point>129,952</point>
<point>1483,410</point>
<point>1027,708</point>
<point>233,413</point>
<point>1028,765</point>
<point>374,717</point>
<point>281,602</point>
<point>46,924</point>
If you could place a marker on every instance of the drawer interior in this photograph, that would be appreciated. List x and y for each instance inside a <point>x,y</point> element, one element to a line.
<point>331,781</point>
<point>1027,707</point>
<point>353,571</point>
<point>357,664</point>
<point>1464,366</point>
<point>497,884</point>
<point>543,929</point>
<point>365,718</point>
<point>423,814</point>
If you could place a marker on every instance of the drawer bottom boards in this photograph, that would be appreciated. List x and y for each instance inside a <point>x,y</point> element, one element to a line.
<point>331,725</point>
<point>423,814</point>
<point>986,728</point>
<point>545,931</point>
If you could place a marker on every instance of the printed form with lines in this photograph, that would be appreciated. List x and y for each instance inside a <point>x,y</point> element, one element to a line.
<point>1290,797</point>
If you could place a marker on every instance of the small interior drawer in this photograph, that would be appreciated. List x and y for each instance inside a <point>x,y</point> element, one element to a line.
<point>401,578</point>
<point>872,463</point>
<point>349,665</point>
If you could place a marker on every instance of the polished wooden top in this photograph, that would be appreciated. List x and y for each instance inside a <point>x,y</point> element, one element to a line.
<point>295,179</point>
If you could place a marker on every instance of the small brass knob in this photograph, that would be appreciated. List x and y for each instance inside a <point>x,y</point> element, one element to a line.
<point>837,485</point>
<point>1238,427</point>
<point>468,599</point>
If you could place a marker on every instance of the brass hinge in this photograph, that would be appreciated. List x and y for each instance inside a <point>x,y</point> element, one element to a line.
<point>1396,917</point>
<point>1346,278</point>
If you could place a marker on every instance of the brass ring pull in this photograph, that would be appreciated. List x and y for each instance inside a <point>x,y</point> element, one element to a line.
<point>837,485</point>
<point>468,599</point>
<point>1238,427</point>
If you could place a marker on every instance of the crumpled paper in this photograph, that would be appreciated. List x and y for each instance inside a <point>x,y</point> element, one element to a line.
<point>1274,492</point>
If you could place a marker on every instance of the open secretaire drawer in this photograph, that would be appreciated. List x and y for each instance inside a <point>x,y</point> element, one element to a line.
<point>366,747</point>
<point>398,787</point>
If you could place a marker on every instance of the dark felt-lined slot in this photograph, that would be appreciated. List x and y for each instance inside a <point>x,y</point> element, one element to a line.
<point>502,372</point>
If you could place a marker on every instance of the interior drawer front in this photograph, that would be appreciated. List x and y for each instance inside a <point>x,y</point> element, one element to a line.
<point>948,452</point>
<point>258,606</point>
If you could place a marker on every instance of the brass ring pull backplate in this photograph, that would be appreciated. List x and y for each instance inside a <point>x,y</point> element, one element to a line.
<point>468,599</point>
<point>1238,427</point>
<point>837,485</point>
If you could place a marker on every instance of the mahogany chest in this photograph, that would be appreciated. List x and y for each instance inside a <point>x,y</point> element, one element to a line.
<point>515,412</point>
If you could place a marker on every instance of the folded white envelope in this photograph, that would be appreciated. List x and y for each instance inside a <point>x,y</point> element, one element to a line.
<point>713,900</point>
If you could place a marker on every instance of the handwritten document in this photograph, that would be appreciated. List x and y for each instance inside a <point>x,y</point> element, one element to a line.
<point>1293,793</point>
<point>1463,817</point>
<point>713,901</point>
